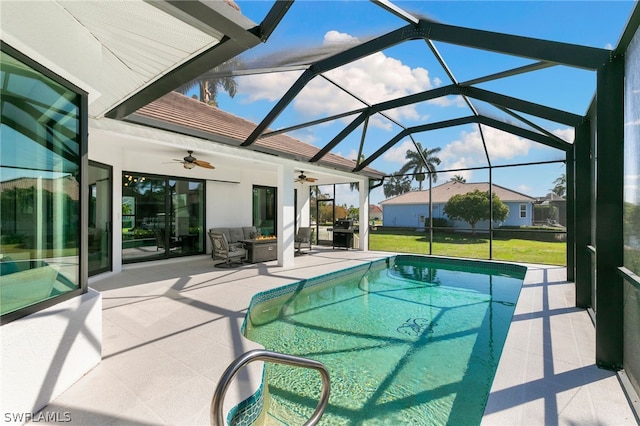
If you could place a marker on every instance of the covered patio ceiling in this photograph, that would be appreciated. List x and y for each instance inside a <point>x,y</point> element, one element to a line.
<point>129,53</point>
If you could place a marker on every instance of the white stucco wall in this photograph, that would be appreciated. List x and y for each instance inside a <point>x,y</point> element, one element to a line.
<point>46,352</point>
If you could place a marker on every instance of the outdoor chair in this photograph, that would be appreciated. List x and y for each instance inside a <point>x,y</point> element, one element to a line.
<point>161,241</point>
<point>303,239</point>
<point>222,251</point>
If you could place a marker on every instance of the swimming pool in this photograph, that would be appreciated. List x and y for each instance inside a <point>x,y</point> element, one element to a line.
<point>407,340</point>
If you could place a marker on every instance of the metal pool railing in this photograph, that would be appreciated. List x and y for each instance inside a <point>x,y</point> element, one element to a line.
<point>217,416</point>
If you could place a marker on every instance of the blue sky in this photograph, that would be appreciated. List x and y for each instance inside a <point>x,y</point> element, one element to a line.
<point>410,68</point>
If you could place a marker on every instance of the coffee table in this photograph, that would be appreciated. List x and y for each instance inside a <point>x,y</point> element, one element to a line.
<point>261,250</point>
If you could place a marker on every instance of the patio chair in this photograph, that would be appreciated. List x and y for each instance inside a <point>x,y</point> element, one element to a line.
<point>222,251</point>
<point>303,238</point>
<point>161,242</point>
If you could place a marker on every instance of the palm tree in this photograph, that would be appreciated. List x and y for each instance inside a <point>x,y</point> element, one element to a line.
<point>418,167</point>
<point>211,82</point>
<point>458,179</point>
<point>560,185</point>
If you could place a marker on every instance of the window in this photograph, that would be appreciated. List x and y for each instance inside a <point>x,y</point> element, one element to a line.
<point>161,217</point>
<point>264,209</point>
<point>40,158</point>
<point>523,211</point>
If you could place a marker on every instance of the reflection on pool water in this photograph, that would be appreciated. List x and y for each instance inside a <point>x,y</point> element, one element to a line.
<point>407,340</point>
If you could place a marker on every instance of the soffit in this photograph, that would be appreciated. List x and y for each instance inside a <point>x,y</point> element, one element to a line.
<point>114,49</point>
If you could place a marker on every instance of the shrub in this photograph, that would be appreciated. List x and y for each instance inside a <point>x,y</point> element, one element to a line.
<point>534,233</point>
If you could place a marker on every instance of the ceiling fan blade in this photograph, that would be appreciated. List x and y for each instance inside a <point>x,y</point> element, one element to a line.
<point>311,179</point>
<point>204,164</point>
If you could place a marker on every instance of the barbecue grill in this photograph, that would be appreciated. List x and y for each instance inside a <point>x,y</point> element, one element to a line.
<point>343,233</point>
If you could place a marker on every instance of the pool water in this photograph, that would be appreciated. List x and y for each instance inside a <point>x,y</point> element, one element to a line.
<point>411,340</point>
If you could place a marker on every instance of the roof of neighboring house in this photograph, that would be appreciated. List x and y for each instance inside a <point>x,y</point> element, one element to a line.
<point>179,113</point>
<point>442,193</point>
<point>551,197</point>
<point>69,185</point>
<point>374,208</point>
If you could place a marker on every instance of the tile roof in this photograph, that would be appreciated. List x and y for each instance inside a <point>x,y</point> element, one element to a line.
<point>374,208</point>
<point>179,113</point>
<point>442,193</point>
<point>69,185</point>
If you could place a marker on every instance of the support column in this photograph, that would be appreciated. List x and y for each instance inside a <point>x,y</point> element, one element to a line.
<point>582,182</point>
<point>609,209</point>
<point>570,213</point>
<point>286,215</point>
<point>364,215</point>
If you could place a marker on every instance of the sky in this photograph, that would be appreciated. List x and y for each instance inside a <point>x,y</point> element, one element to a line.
<point>410,67</point>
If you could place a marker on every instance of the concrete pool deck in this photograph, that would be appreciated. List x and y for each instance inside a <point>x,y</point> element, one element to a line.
<point>171,328</point>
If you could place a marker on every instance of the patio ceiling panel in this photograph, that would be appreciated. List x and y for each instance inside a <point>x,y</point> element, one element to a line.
<point>116,49</point>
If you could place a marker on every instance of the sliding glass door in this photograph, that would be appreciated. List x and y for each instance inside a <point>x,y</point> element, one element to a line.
<point>100,196</point>
<point>161,217</point>
<point>264,209</point>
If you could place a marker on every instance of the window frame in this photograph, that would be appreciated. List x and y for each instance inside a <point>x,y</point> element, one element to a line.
<point>523,211</point>
<point>82,225</point>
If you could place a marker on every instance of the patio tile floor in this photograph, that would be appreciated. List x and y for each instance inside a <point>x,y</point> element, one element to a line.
<point>171,328</point>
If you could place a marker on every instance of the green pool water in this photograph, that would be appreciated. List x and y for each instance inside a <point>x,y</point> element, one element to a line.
<point>411,341</point>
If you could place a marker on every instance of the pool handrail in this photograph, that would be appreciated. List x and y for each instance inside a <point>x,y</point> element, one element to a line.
<point>217,416</point>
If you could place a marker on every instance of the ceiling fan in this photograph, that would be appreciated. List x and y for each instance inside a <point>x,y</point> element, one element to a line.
<point>189,162</point>
<point>303,178</point>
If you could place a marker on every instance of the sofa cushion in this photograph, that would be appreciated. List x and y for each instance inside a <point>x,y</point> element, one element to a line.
<point>235,235</point>
<point>250,232</point>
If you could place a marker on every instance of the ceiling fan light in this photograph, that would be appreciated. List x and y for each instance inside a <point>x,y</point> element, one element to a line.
<point>189,165</point>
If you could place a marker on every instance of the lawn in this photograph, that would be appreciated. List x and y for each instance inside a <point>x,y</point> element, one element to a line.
<point>468,246</point>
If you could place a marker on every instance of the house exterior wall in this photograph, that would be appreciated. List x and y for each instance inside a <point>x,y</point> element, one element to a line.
<point>409,215</point>
<point>132,148</point>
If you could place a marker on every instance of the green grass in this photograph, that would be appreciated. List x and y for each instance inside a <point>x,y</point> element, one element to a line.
<point>468,246</point>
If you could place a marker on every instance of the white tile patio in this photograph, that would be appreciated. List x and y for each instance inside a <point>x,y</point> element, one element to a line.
<point>171,328</point>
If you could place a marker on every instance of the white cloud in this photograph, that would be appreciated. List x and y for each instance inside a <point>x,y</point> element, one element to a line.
<point>375,78</point>
<point>457,101</point>
<point>567,134</point>
<point>398,153</point>
<point>468,151</point>
<point>268,87</point>
<point>335,37</point>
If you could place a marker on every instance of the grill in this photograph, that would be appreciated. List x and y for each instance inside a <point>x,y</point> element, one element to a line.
<point>343,233</point>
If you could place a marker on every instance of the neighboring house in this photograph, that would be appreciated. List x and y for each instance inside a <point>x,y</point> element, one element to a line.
<point>375,212</point>
<point>550,210</point>
<point>412,208</point>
